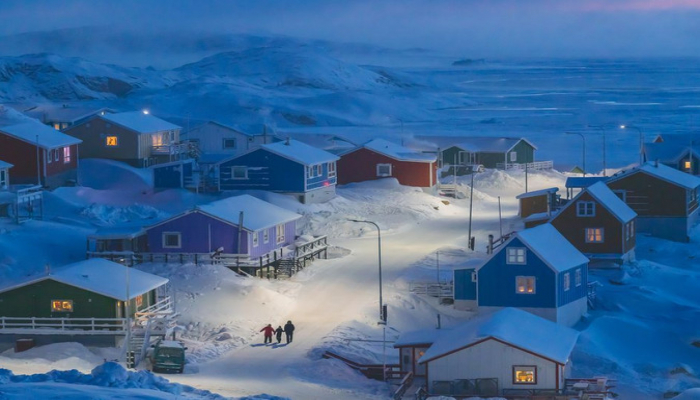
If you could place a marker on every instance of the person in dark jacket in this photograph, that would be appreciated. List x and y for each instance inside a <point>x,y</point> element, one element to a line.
<point>279,332</point>
<point>268,331</point>
<point>289,330</point>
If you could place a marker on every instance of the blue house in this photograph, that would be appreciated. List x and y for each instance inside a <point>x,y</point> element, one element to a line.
<point>215,227</point>
<point>289,167</point>
<point>536,270</point>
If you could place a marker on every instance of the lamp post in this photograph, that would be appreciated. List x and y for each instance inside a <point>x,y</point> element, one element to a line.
<point>382,315</point>
<point>602,130</point>
<point>584,149</point>
<point>641,140</point>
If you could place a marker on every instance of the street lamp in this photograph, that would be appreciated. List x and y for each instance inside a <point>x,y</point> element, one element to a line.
<point>641,140</point>
<point>602,130</point>
<point>382,315</point>
<point>584,149</point>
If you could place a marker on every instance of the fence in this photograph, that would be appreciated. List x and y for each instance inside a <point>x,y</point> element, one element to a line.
<point>432,289</point>
<point>69,326</point>
<point>372,371</point>
<point>537,165</point>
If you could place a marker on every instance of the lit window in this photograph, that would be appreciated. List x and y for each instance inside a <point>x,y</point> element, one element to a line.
<point>57,126</point>
<point>567,281</point>
<point>525,284</point>
<point>578,277</point>
<point>61,305</point>
<point>594,235</point>
<point>280,233</point>
<point>687,165</point>
<point>383,169</point>
<point>585,209</point>
<point>66,155</point>
<point>112,141</point>
<point>139,300</point>
<point>266,236</point>
<point>172,240</point>
<point>513,156</point>
<point>229,143</point>
<point>256,238</point>
<point>239,173</point>
<point>331,169</point>
<point>525,374</point>
<point>516,255</point>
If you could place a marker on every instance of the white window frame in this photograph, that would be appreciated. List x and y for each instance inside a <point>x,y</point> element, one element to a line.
<point>380,166</point>
<point>266,235</point>
<point>3,178</point>
<point>578,277</point>
<point>49,156</point>
<point>55,155</point>
<point>233,172</point>
<point>331,169</point>
<point>525,368</point>
<point>622,194</point>
<point>513,156</point>
<point>474,276</point>
<point>595,235</point>
<point>567,281</point>
<point>523,281</point>
<point>256,238</point>
<point>179,240</point>
<point>632,228</point>
<point>279,233</point>
<point>66,155</point>
<point>583,210</point>
<point>516,256</point>
<point>223,143</point>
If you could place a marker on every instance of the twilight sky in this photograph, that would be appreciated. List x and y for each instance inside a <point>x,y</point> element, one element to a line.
<point>478,28</point>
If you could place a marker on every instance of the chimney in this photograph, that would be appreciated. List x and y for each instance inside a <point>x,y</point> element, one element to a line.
<point>439,325</point>
<point>656,163</point>
<point>490,248</point>
<point>287,142</point>
<point>47,269</point>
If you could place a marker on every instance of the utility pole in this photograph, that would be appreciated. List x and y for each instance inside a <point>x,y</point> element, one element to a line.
<point>471,201</point>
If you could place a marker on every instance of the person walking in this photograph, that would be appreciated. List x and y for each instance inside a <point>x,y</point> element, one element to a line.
<point>289,330</point>
<point>279,332</point>
<point>268,331</point>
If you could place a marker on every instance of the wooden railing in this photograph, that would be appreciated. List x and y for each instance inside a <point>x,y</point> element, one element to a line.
<point>314,246</point>
<point>167,149</point>
<point>71,326</point>
<point>405,383</point>
<point>162,307</point>
<point>372,371</point>
<point>432,289</point>
<point>537,165</point>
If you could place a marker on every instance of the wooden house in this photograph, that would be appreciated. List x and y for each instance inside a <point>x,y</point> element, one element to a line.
<point>90,297</point>
<point>216,227</point>
<point>679,151</point>
<point>665,199</point>
<point>40,154</point>
<point>136,138</point>
<point>211,137</point>
<point>380,158</point>
<point>289,167</point>
<point>599,224</point>
<point>507,352</point>
<point>574,184</point>
<point>538,201</point>
<point>119,244</point>
<point>536,270</point>
<point>491,152</point>
<point>63,116</point>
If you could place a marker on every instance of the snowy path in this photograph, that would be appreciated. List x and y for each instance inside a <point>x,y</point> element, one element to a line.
<point>320,308</point>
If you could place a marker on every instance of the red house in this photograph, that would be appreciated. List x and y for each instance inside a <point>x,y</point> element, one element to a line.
<point>380,158</point>
<point>599,224</point>
<point>40,154</point>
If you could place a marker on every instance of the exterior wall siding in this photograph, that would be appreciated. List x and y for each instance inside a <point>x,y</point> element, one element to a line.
<point>492,359</point>
<point>464,288</point>
<point>496,281</point>
<point>94,134</point>
<point>266,171</point>
<point>195,228</point>
<point>650,196</point>
<point>671,228</point>
<point>23,156</point>
<point>264,248</point>
<point>575,292</point>
<point>534,205</point>
<point>526,153</point>
<point>361,165</point>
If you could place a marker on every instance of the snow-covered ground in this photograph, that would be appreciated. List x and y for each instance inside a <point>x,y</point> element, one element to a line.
<point>643,331</point>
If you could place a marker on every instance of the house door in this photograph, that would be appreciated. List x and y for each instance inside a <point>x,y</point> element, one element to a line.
<point>419,369</point>
<point>407,359</point>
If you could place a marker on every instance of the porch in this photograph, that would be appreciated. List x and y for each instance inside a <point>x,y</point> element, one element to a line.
<point>537,165</point>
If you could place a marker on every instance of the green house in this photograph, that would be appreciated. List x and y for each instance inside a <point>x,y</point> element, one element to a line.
<point>69,298</point>
<point>491,152</point>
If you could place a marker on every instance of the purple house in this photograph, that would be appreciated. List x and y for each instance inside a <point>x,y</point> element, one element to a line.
<point>215,227</point>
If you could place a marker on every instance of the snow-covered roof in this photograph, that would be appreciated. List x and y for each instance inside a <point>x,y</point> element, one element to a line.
<point>423,336</point>
<point>139,122</point>
<point>126,232</point>
<point>35,132</point>
<point>546,241</point>
<point>490,144</point>
<point>667,151</point>
<point>664,173</point>
<point>540,192</point>
<point>608,199</point>
<point>538,216</point>
<point>513,326</point>
<point>300,152</point>
<point>171,344</point>
<point>100,276</point>
<point>4,164</point>
<point>398,152</point>
<point>583,182</point>
<point>64,113</point>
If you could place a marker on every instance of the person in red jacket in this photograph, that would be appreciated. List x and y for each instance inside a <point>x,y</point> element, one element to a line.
<point>268,331</point>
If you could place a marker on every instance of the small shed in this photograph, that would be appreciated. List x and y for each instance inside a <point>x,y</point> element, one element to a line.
<point>574,183</point>
<point>117,244</point>
<point>381,158</point>
<point>504,350</point>
<point>4,175</point>
<point>538,201</point>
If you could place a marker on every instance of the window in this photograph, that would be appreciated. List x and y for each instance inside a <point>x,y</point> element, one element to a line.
<point>594,235</point>
<point>525,284</point>
<point>577,277</point>
<point>66,155</point>
<point>280,233</point>
<point>474,276</point>
<point>692,195</point>
<point>49,156</point>
<point>139,300</point>
<point>55,154</point>
<point>513,156</point>
<point>622,194</point>
<point>57,126</point>
<point>687,165</point>
<point>318,171</point>
<point>585,209</point>
<point>314,171</point>
<point>515,255</point>
<point>256,238</point>
<point>266,236</point>
<point>627,231</point>
<point>61,305</point>
<point>3,178</point>
<point>229,143</point>
<point>525,374</point>
<point>567,281</point>
<point>331,169</point>
<point>632,228</point>
<point>172,240</point>
<point>383,169</point>
<point>112,141</point>
<point>239,172</point>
